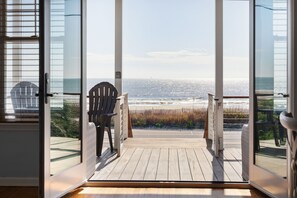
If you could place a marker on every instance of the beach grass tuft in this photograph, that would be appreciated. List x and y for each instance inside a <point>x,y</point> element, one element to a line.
<point>181,118</point>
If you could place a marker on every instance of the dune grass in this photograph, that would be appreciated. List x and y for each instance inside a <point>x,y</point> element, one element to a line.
<point>181,118</point>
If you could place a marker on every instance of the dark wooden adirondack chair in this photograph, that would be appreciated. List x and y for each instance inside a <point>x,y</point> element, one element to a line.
<point>24,100</point>
<point>102,100</point>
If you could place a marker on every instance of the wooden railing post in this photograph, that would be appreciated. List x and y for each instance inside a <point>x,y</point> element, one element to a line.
<point>118,125</point>
<point>125,116</point>
<point>213,123</point>
<point>218,127</point>
<point>210,113</point>
<point>121,122</point>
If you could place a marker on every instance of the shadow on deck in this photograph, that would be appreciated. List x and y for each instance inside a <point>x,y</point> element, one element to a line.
<point>172,155</point>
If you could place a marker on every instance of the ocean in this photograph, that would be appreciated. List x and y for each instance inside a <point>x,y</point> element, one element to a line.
<point>169,93</point>
<point>177,93</point>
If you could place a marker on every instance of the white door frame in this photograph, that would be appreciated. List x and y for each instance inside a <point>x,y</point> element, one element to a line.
<point>219,117</point>
<point>71,178</point>
<point>218,64</point>
<point>263,180</point>
<point>118,45</point>
<point>292,74</point>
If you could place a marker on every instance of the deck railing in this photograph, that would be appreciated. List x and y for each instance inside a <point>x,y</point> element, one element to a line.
<point>121,122</point>
<point>236,114</point>
<point>214,131</point>
<point>213,128</point>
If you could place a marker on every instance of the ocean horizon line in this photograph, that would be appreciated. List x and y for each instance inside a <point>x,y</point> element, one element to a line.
<point>181,79</point>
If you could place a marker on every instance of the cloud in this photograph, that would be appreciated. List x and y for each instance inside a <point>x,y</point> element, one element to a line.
<point>181,56</point>
<point>172,60</point>
<point>177,54</point>
<point>94,58</point>
<point>186,56</point>
<point>198,57</point>
<point>194,57</point>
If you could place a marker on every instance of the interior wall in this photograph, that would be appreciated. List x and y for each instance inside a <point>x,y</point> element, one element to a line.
<point>19,154</point>
<point>295,56</point>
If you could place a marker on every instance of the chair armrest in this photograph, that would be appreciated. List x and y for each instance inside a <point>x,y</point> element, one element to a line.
<point>108,114</point>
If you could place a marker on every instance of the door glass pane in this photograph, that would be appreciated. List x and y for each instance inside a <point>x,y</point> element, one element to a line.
<point>65,84</point>
<point>270,84</point>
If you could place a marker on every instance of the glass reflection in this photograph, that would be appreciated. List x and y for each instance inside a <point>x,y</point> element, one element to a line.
<point>270,85</point>
<point>65,83</point>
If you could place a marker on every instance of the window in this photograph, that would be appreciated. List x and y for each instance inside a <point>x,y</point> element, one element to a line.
<point>19,60</point>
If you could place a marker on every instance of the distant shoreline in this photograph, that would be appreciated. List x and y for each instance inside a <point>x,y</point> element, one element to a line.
<point>238,104</point>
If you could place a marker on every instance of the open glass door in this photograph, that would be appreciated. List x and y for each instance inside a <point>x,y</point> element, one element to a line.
<point>268,164</point>
<point>64,97</point>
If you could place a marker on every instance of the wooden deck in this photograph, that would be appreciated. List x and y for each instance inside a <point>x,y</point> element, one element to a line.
<point>149,158</point>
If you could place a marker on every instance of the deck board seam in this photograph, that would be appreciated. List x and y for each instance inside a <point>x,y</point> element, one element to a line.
<point>189,165</point>
<point>115,165</point>
<point>215,160</point>
<point>231,164</point>
<point>199,164</point>
<point>151,150</point>
<point>179,167</point>
<point>137,164</point>
<point>127,163</point>
<point>215,178</point>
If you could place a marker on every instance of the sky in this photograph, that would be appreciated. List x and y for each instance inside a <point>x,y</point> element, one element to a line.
<point>167,39</point>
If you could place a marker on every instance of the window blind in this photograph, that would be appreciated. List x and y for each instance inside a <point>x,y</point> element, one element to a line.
<point>19,60</point>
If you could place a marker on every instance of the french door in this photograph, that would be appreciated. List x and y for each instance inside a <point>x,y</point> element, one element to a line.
<point>268,159</point>
<point>63,119</point>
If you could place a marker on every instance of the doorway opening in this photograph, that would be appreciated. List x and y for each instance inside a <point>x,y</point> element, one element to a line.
<point>168,73</point>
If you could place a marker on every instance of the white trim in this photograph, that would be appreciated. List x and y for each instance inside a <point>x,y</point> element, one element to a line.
<point>292,75</point>
<point>251,91</point>
<point>61,183</point>
<point>262,179</point>
<point>219,75</point>
<point>46,65</point>
<point>118,46</point>
<point>19,181</point>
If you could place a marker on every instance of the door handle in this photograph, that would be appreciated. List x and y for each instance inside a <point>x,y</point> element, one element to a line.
<point>284,95</point>
<point>46,87</point>
<point>49,95</point>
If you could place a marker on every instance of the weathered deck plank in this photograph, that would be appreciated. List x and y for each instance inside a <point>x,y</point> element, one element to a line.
<point>123,161</point>
<point>106,166</point>
<point>127,173</point>
<point>236,153</point>
<point>174,159</point>
<point>173,172</point>
<point>142,165</point>
<point>162,172</point>
<point>228,168</point>
<point>233,162</point>
<point>152,166</point>
<point>215,165</point>
<point>185,172</point>
<point>208,172</point>
<point>195,168</point>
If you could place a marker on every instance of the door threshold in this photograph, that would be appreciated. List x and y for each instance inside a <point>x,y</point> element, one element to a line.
<point>167,184</point>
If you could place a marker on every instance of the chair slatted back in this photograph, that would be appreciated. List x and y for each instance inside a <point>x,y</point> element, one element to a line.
<point>23,95</point>
<point>102,100</point>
